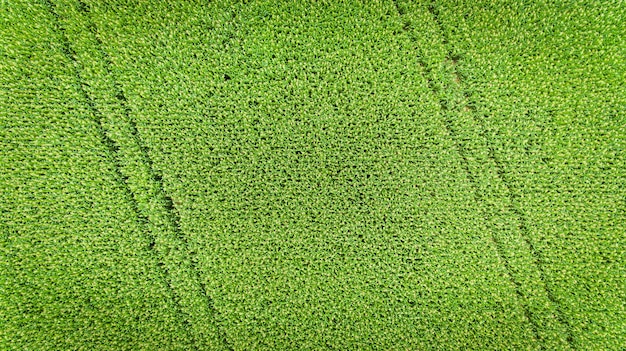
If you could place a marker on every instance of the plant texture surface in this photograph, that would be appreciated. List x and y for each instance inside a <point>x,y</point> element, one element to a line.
<point>295,175</point>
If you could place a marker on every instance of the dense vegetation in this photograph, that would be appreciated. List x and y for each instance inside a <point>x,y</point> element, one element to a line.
<point>76,271</point>
<point>313,175</point>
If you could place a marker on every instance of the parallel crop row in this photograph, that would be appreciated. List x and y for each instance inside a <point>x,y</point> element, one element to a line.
<point>303,175</point>
<point>76,268</point>
<point>153,205</point>
<point>547,84</point>
<point>315,181</point>
<point>492,193</point>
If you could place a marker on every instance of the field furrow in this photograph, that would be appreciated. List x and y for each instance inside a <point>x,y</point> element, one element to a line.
<point>303,190</point>
<point>278,175</point>
<point>491,189</point>
<point>75,261</point>
<point>547,87</point>
<point>136,166</point>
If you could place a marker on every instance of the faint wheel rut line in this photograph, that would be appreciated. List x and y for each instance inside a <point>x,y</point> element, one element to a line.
<point>478,198</point>
<point>535,254</point>
<point>170,208</point>
<point>538,261</point>
<point>111,145</point>
<point>114,150</point>
<point>429,74</point>
<point>498,244</point>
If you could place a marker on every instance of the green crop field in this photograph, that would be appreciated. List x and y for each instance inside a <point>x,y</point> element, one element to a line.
<point>312,175</point>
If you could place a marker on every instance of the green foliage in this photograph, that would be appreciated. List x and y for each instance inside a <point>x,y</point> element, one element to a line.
<point>312,175</point>
<point>546,83</point>
<point>76,268</point>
